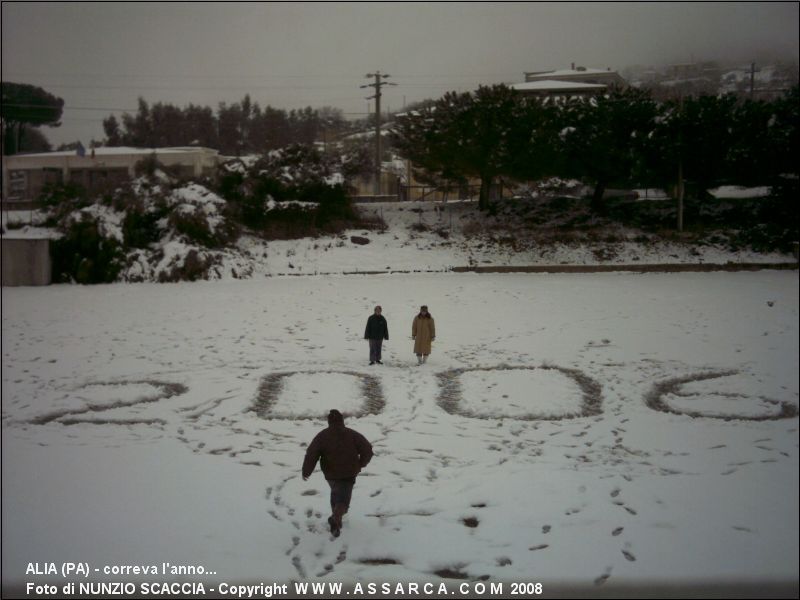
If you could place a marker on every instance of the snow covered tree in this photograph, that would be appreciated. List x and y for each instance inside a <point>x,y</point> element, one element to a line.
<point>785,132</point>
<point>752,156</point>
<point>534,141</point>
<point>692,135</point>
<point>601,137</point>
<point>781,208</point>
<point>463,135</point>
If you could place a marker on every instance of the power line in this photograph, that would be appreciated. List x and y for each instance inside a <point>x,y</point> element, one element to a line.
<point>112,108</point>
<point>21,105</point>
<point>315,77</point>
<point>190,87</point>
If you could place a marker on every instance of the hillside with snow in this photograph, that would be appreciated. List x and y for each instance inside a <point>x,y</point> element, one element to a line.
<point>415,237</point>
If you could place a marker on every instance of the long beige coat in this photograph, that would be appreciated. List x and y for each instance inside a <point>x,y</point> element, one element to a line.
<point>423,331</point>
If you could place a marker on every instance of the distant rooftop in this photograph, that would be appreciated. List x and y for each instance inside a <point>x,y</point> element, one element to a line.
<point>568,72</point>
<point>542,85</point>
<point>121,150</point>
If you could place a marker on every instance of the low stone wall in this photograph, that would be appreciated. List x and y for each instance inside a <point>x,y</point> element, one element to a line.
<point>664,268</point>
<point>373,198</point>
<point>26,262</point>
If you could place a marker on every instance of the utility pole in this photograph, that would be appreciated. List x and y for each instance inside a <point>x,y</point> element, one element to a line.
<point>681,189</point>
<point>752,79</point>
<point>377,85</point>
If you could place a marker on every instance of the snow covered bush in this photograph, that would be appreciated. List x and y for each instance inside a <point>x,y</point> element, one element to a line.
<point>150,229</point>
<point>199,215</point>
<point>88,252</point>
<point>61,199</point>
<point>140,227</point>
<point>289,193</point>
<point>178,263</point>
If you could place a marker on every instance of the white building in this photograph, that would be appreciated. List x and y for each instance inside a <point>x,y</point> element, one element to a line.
<point>554,87</point>
<point>575,81</point>
<point>24,175</point>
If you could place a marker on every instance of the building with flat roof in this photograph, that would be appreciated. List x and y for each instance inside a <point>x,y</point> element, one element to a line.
<point>575,81</point>
<point>25,175</point>
<point>575,74</point>
<point>553,87</point>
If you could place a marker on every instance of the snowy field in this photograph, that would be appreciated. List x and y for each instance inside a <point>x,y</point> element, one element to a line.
<point>584,430</point>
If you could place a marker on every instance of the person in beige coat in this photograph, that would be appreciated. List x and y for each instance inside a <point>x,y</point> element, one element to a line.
<point>423,332</point>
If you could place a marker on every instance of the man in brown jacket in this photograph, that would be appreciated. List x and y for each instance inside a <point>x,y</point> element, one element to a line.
<point>344,452</point>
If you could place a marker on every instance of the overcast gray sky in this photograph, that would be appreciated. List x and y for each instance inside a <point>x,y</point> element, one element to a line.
<point>100,57</point>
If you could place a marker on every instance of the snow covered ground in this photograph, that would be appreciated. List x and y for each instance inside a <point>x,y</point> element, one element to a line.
<point>574,430</point>
<point>429,236</point>
<point>421,237</point>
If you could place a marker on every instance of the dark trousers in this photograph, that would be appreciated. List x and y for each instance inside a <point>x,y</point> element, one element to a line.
<point>375,350</point>
<point>341,491</point>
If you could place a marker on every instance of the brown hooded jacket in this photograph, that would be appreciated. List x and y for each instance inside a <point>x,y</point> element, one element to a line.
<point>343,452</point>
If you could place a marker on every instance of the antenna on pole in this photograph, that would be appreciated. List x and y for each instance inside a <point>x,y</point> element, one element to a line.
<point>378,84</point>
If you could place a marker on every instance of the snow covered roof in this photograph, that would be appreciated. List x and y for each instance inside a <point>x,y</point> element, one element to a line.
<point>568,72</point>
<point>127,150</point>
<point>546,85</point>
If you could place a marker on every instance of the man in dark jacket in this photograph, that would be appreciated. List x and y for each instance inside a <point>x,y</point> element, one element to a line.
<point>344,452</point>
<point>377,331</point>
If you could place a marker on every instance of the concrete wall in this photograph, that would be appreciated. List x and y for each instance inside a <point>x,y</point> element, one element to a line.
<point>26,262</point>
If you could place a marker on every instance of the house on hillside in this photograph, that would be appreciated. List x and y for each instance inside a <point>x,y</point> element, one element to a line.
<point>575,81</point>
<point>25,175</point>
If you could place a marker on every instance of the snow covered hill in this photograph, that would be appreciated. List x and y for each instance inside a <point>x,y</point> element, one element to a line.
<point>419,237</point>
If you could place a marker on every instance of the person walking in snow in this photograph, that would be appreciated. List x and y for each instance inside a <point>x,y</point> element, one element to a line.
<point>342,453</point>
<point>377,331</point>
<point>423,332</point>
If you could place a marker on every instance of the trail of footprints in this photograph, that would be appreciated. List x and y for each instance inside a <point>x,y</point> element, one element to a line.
<point>511,442</point>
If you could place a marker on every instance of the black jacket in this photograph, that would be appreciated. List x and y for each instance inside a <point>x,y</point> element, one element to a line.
<point>377,328</point>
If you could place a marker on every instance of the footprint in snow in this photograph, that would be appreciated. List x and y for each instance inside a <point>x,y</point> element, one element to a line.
<point>603,578</point>
<point>629,556</point>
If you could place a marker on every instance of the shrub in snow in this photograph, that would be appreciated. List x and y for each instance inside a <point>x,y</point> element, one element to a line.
<point>419,227</point>
<point>295,167</point>
<point>192,224</point>
<point>289,193</point>
<point>291,173</point>
<point>192,266</point>
<point>123,236</point>
<point>197,228</point>
<point>61,199</point>
<point>199,215</point>
<point>84,254</point>
<point>142,226</point>
<point>358,159</point>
